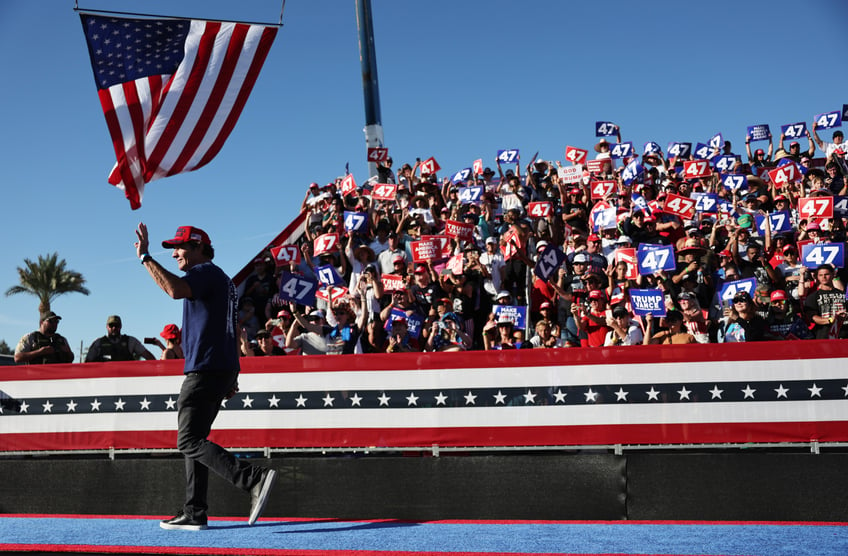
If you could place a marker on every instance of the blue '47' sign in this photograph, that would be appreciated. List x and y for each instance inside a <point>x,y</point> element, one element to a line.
<point>298,289</point>
<point>654,258</point>
<point>549,261</point>
<point>816,254</point>
<point>780,222</point>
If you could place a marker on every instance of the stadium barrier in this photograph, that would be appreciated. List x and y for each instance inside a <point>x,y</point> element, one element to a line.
<point>688,395</point>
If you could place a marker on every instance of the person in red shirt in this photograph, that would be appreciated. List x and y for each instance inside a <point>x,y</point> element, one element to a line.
<point>592,322</point>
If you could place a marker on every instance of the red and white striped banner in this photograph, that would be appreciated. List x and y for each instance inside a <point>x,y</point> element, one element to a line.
<point>757,392</point>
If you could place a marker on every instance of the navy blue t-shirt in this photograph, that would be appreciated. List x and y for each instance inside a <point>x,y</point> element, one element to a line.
<point>209,321</point>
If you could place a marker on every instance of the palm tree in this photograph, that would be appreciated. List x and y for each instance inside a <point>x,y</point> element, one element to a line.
<point>47,279</point>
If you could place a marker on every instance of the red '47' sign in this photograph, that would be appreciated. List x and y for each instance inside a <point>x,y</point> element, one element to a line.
<point>378,154</point>
<point>815,207</point>
<point>575,155</point>
<point>539,209</point>
<point>285,255</point>
<point>384,192</point>
<point>348,185</point>
<point>327,243</point>
<point>430,166</point>
<point>683,207</point>
<point>696,169</point>
<point>785,174</point>
<point>601,189</point>
<point>628,255</point>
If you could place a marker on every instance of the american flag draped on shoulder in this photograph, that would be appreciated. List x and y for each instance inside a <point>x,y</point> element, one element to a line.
<point>171,90</point>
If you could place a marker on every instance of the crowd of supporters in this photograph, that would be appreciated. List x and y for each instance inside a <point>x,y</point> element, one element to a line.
<point>453,263</point>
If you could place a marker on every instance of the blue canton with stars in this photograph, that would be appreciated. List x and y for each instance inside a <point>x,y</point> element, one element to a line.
<point>124,50</point>
<point>671,393</point>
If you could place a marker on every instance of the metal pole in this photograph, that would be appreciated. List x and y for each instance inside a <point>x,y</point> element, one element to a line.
<point>370,90</point>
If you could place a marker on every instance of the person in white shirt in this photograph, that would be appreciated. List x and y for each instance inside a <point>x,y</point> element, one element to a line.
<point>493,260</point>
<point>837,147</point>
<point>624,331</point>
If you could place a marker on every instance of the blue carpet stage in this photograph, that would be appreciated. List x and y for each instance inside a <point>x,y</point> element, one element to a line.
<point>137,535</point>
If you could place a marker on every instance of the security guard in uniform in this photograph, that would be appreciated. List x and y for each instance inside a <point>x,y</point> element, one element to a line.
<point>115,346</point>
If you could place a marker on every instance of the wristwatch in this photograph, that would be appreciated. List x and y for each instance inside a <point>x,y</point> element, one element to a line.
<point>144,257</point>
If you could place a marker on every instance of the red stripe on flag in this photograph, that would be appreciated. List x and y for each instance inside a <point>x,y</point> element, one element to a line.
<point>121,172</point>
<point>268,35</point>
<point>219,90</point>
<point>185,101</point>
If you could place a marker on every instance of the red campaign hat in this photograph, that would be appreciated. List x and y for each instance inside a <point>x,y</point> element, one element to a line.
<point>170,332</point>
<point>187,234</point>
<point>593,237</point>
<point>778,295</point>
<point>597,294</point>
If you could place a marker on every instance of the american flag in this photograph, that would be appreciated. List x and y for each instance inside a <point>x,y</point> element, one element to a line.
<point>754,392</point>
<point>171,90</point>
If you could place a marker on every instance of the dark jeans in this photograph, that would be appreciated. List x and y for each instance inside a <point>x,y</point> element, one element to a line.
<point>200,399</point>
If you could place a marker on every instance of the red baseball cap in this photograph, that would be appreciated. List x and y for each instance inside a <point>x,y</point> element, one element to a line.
<point>778,295</point>
<point>187,234</point>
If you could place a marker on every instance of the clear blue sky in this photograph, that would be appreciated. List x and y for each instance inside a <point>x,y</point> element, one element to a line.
<point>458,80</point>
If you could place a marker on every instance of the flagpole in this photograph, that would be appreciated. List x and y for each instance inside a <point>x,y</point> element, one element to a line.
<point>370,89</point>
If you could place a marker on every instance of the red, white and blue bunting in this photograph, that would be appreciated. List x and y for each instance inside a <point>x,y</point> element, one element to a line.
<point>755,392</point>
